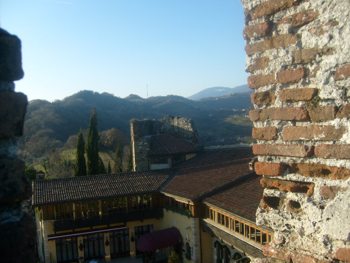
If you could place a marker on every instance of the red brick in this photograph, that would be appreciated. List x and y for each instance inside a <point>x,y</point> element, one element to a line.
<point>343,72</point>
<point>290,75</point>
<point>319,30</point>
<point>329,192</point>
<point>287,186</point>
<point>259,63</point>
<point>312,132</point>
<point>321,170</point>
<point>264,98</point>
<point>285,114</point>
<point>321,113</point>
<point>295,150</point>
<point>333,151</point>
<point>304,56</point>
<point>269,169</point>
<point>271,7</point>
<point>257,30</point>
<point>266,133</point>
<point>254,115</point>
<point>300,94</point>
<point>300,19</point>
<point>281,41</point>
<point>343,254</point>
<point>289,256</point>
<point>257,81</point>
<point>344,111</point>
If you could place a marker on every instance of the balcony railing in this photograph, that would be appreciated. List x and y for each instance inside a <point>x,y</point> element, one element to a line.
<point>108,219</point>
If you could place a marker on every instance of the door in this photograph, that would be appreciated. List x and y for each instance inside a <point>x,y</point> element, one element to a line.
<point>66,250</point>
<point>119,242</point>
<point>94,246</point>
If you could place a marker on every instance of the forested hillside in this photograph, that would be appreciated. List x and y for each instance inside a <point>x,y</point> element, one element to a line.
<point>51,128</point>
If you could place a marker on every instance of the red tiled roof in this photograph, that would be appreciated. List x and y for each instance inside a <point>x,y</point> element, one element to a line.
<point>95,187</point>
<point>241,199</point>
<point>165,144</point>
<point>194,183</point>
<point>216,157</point>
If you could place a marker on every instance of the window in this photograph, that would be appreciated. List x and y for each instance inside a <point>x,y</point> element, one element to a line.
<point>49,212</point>
<point>64,211</point>
<point>235,225</point>
<point>188,251</point>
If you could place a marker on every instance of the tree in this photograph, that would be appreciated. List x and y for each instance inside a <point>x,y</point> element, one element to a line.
<point>93,163</point>
<point>118,161</point>
<point>101,166</point>
<point>80,167</point>
<point>109,169</point>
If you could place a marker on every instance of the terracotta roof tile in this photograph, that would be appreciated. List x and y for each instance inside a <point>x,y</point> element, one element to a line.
<point>96,187</point>
<point>194,183</point>
<point>241,199</point>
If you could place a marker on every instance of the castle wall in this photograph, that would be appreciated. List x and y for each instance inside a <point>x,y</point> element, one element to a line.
<point>298,57</point>
<point>17,227</point>
<point>142,130</point>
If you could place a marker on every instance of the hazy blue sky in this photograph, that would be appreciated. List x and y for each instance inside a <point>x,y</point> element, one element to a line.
<point>124,46</point>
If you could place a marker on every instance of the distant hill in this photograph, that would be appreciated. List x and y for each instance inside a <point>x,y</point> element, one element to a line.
<point>52,127</point>
<point>215,92</point>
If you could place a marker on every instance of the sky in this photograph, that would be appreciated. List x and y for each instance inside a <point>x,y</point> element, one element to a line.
<point>143,47</point>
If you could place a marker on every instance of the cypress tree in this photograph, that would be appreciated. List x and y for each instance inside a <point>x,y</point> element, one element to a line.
<point>80,167</point>
<point>93,163</point>
<point>109,169</point>
<point>101,166</point>
<point>118,162</point>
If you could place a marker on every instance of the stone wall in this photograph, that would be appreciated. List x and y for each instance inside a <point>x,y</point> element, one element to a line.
<point>298,57</point>
<point>17,228</point>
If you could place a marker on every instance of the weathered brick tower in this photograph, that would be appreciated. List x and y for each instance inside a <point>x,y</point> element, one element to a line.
<point>299,60</point>
<point>17,229</point>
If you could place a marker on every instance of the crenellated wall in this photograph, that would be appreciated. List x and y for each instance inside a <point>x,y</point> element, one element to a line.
<point>298,57</point>
<point>17,229</point>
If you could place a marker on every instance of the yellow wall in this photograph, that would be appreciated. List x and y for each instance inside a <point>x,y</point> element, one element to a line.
<point>206,247</point>
<point>185,225</point>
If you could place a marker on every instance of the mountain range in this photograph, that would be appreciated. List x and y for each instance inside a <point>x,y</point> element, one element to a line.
<point>215,92</point>
<point>52,126</point>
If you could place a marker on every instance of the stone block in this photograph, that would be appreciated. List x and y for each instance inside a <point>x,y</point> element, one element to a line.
<point>12,111</point>
<point>14,185</point>
<point>10,57</point>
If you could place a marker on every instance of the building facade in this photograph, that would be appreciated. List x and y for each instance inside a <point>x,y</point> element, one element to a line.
<point>105,216</point>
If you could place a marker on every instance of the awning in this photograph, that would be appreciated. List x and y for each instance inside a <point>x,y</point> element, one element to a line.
<point>159,239</point>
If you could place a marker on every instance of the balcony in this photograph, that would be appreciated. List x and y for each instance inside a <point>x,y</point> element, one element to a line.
<point>112,218</point>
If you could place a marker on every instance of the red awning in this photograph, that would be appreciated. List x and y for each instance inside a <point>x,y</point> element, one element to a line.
<point>159,239</point>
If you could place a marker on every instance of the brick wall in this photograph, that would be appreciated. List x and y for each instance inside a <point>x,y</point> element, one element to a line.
<point>298,57</point>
